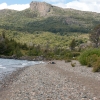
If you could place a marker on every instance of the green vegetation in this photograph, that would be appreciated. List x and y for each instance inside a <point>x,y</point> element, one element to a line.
<point>49,45</point>
<point>73,64</point>
<point>72,44</point>
<point>87,55</point>
<point>96,65</point>
<point>9,47</point>
<point>60,34</point>
<point>95,36</point>
<point>62,21</point>
<point>91,57</point>
<point>67,60</point>
<point>45,39</point>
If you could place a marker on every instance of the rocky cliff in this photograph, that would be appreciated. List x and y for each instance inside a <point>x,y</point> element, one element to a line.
<point>41,7</point>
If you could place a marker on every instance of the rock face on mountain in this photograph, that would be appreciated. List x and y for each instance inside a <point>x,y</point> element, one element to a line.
<point>41,7</point>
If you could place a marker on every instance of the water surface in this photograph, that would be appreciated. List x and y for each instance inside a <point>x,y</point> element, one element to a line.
<point>9,65</point>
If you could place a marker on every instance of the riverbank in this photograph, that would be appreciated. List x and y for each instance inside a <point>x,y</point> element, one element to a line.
<point>58,81</point>
<point>29,58</point>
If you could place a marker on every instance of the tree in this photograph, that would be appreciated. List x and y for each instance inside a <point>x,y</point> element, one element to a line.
<point>2,47</point>
<point>95,36</point>
<point>18,52</point>
<point>72,44</point>
<point>3,34</point>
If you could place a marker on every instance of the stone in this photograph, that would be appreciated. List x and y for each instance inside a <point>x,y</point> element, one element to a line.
<point>41,7</point>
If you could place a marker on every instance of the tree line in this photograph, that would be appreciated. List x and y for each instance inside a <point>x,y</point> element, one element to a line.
<point>10,47</point>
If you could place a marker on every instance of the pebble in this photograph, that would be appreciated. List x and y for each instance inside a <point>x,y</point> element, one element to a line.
<point>44,83</point>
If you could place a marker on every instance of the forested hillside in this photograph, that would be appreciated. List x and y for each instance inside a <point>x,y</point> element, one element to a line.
<point>55,20</point>
<point>46,30</point>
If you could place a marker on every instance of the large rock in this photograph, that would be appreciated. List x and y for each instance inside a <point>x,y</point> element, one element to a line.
<point>41,7</point>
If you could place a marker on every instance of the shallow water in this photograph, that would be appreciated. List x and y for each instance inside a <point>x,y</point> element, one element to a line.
<point>9,65</point>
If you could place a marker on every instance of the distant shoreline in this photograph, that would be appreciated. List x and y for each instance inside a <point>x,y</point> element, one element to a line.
<point>29,58</point>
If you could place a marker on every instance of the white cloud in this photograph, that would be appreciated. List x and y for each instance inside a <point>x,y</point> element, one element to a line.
<point>54,1</point>
<point>62,5</point>
<point>84,5</point>
<point>89,1</point>
<point>3,5</point>
<point>18,7</point>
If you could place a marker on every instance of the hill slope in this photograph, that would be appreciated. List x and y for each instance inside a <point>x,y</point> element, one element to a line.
<point>45,17</point>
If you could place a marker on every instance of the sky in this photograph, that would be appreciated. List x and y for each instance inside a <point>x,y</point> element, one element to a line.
<point>84,5</point>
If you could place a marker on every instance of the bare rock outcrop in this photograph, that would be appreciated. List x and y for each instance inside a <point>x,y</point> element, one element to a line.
<point>42,8</point>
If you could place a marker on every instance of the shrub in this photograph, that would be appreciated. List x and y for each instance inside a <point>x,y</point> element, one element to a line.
<point>67,60</point>
<point>72,44</point>
<point>96,65</point>
<point>75,54</point>
<point>91,59</point>
<point>89,56</point>
<point>89,65</point>
<point>73,64</point>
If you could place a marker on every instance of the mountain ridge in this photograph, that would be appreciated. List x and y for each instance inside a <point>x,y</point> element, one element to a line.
<point>42,16</point>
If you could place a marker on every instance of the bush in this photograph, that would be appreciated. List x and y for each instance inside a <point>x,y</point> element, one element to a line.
<point>96,65</point>
<point>75,55</point>
<point>72,44</point>
<point>73,64</point>
<point>67,60</point>
<point>91,59</point>
<point>89,56</point>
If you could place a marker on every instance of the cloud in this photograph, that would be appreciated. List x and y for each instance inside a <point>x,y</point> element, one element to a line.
<point>18,7</point>
<point>54,1</point>
<point>84,5</point>
<point>3,5</point>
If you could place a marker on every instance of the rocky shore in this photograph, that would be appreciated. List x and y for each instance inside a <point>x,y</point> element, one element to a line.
<point>59,81</point>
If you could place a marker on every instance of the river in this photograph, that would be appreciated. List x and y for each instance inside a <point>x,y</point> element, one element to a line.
<point>7,66</point>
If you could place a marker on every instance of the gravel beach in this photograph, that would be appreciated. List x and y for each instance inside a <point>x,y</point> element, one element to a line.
<point>58,81</point>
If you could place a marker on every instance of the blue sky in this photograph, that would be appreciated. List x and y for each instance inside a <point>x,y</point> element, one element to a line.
<point>10,2</point>
<point>84,5</point>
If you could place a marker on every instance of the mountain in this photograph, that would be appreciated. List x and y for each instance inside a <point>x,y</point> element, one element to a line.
<point>41,7</point>
<point>42,16</point>
<point>6,12</point>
